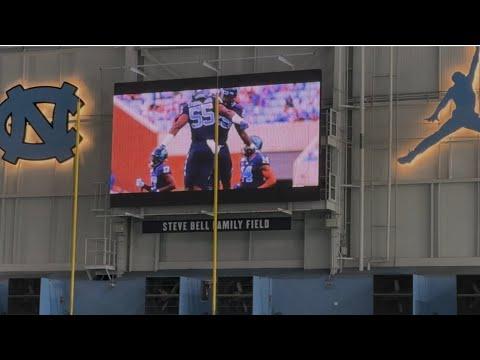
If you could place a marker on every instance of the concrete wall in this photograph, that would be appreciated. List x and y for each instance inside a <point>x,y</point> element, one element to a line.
<point>38,194</point>
<point>435,199</point>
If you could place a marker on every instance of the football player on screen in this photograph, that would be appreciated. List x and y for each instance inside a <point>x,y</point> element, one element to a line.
<point>228,98</point>
<point>200,115</point>
<point>256,172</point>
<point>161,175</point>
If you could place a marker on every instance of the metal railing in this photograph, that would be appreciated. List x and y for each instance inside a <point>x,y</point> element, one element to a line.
<point>410,96</point>
<point>332,122</point>
<point>100,252</point>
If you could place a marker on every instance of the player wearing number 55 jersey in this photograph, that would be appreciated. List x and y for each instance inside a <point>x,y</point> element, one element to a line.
<point>200,115</point>
<point>256,172</point>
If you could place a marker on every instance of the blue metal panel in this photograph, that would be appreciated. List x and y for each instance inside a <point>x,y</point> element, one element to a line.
<point>52,297</point>
<point>3,297</point>
<point>44,297</point>
<point>434,295</point>
<point>342,295</point>
<point>58,304</point>
<point>191,297</point>
<point>262,296</point>
<point>127,297</point>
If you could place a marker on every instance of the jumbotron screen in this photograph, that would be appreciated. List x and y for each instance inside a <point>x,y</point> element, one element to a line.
<point>163,145</point>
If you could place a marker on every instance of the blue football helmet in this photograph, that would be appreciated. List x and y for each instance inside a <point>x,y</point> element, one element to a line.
<point>159,155</point>
<point>256,144</point>
<point>229,95</point>
<point>200,94</point>
<point>257,141</point>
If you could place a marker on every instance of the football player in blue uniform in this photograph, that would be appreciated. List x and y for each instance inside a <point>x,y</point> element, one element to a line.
<point>256,172</point>
<point>200,115</point>
<point>229,99</point>
<point>161,175</point>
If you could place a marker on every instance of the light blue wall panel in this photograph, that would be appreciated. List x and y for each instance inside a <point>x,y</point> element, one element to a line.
<point>434,295</point>
<point>3,297</point>
<point>127,297</point>
<point>262,295</point>
<point>191,297</point>
<point>343,295</point>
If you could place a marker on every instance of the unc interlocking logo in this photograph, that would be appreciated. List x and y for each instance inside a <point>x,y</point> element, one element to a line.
<point>21,107</point>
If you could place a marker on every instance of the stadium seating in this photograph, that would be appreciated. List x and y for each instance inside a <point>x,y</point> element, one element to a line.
<point>262,104</point>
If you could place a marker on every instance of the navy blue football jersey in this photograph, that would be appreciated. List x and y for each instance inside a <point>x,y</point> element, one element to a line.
<point>158,176</point>
<point>251,169</point>
<point>225,123</point>
<point>201,118</point>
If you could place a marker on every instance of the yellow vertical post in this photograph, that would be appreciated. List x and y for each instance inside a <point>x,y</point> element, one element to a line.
<point>76,163</point>
<point>215,215</point>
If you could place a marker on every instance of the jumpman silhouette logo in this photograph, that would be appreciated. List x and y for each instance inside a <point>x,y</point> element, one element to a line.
<point>464,115</point>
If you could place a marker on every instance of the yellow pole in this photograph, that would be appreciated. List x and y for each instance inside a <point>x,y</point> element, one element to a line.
<point>215,215</point>
<point>75,210</point>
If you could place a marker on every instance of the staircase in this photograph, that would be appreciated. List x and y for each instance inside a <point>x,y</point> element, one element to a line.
<point>101,253</point>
